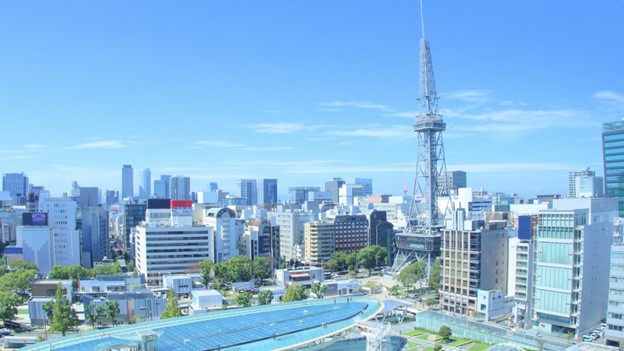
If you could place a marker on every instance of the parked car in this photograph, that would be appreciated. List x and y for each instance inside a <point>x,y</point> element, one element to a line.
<point>594,335</point>
<point>5,332</point>
<point>587,338</point>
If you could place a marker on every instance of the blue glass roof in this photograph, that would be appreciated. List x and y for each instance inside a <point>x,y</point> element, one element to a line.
<point>257,328</point>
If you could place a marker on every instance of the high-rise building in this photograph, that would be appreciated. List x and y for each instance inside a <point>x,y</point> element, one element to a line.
<point>36,239</point>
<point>291,226</point>
<point>17,186</point>
<point>260,239</point>
<point>571,278</point>
<point>95,243</point>
<point>474,259</point>
<point>88,196</point>
<point>127,182</point>
<point>572,179</point>
<point>145,187</point>
<point>214,186</point>
<point>169,243</point>
<point>62,219</point>
<point>248,189</point>
<point>112,197</point>
<point>319,242</point>
<point>367,185</point>
<point>180,188</point>
<point>612,157</point>
<point>267,191</point>
<point>332,186</point>
<point>351,233</point>
<point>161,187</point>
<point>348,193</point>
<point>300,194</point>
<point>227,230</point>
<point>614,335</point>
<point>133,214</point>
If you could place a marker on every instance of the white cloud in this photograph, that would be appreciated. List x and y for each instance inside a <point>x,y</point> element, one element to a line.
<point>335,105</point>
<point>395,131</point>
<point>266,148</point>
<point>282,128</point>
<point>477,95</point>
<point>103,144</point>
<point>609,96</point>
<point>219,143</point>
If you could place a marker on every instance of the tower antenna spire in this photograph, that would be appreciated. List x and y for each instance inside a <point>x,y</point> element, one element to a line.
<point>422,20</point>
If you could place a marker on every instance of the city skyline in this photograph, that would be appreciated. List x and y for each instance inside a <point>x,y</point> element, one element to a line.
<point>305,92</point>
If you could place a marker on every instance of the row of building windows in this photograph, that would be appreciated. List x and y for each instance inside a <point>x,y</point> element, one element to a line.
<point>613,137</point>
<point>611,144</point>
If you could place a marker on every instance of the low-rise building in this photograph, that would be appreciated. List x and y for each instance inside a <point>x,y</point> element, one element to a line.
<point>203,300</point>
<point>301,276</point>
<point>134,306</point>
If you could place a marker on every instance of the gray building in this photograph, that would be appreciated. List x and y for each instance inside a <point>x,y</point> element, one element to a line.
<point>88,196</point>
<point>17,186</point>
<point>300,194</point>
<point>332,186</point>
<point>95,241</point>
<point>248,189</point>
<point>180,188</point>
<point>127,182</point>
<point>161,187</point>
<point>145,186</point>
<point>572,179</point>
<point>267,192</point>
<point>291,224</point>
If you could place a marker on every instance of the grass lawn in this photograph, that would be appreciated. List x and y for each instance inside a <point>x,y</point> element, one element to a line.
<point>459,342</point>
<point>479,346</point>
<point>428,348</point>
<point>414,332</point>
<point>423,336</point>
<point>23,310</point>
<point>411,344</point>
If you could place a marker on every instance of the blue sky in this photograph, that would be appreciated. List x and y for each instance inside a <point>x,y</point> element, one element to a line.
<point>305,90</point>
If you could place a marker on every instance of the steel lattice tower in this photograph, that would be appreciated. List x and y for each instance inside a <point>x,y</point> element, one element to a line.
<point>421,241</point>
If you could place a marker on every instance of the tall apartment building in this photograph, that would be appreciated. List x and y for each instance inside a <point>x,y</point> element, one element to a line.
<point>227,230</point>
<point>615,311</point>
<point>180,188</point>
<point>571,280</point>
<point>95,242</point>
<point>248,189</point>
<point>88,196</point>
<point>348,193</point>
<point>267,192</point>
<point>474,259</point>
<point>319,242</point>
<point>351,233</point>
<point>572,179</point>
<point>169,243</point>
<point>291,224</point>
<point>62,219</point>
<point>127,182</point>
<point>145,186</point>
<point>613,161</point>
<point>17,185</point>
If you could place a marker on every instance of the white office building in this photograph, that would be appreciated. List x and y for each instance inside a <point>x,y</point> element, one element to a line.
<point>37,242</point>
<point>292,232</point>
<point>226,227</point>
<point>62,219</point>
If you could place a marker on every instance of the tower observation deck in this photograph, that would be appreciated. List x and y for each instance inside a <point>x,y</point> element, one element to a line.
<point>421,239</point>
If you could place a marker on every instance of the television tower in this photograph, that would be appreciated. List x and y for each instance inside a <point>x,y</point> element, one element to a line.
<point>421,238</point>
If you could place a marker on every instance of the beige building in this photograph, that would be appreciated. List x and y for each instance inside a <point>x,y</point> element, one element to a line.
<point>319,241</point>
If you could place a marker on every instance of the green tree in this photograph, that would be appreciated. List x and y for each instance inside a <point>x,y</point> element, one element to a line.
<point>394,290</point>
<point>48,309</point>
<point>412,274</point>
<point>206,271</point>
<point>59,272</point>
<point>21,264</point>
<point>101,310</point>
<point>91,315</point>
<point>261,267</point>
<point>112,311</point>
<point>351,261</point>
<point>435,275</point>
<point>63,315</point>
<point>8,305</point>
<point>338,261</point>
<point>445,332</point>
<point>172,309</point>
<point>17,280</point>
<point>244,299</point>
<point>437,347</point>
<point>220,273</point>
<point>318,289</point>
<point>265,297</point>
<point>295,293</point>
<point>239,268</point>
